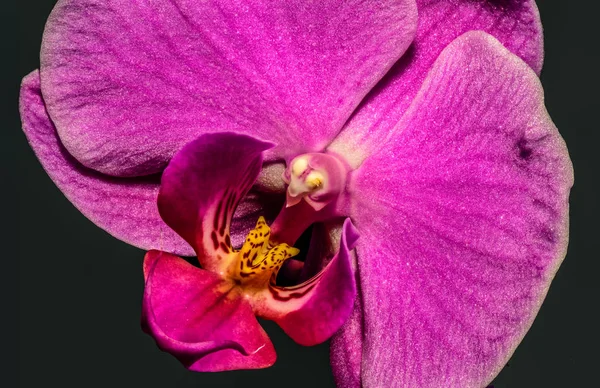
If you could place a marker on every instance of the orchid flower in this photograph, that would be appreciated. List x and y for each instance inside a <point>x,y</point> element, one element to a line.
<point>225,129</point>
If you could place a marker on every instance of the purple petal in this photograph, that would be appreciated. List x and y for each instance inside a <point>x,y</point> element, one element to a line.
<point>201,319</point>
<point>346,348</point>
<point>202,186</point>
<point>311,312</point>
<point>464,222</point>
<point>125,208</point>
<point>129,83</point>
<point>515,23</point>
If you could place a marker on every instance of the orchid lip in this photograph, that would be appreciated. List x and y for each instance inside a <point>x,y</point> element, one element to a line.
<point>200,191</point>
<point>259,259</point>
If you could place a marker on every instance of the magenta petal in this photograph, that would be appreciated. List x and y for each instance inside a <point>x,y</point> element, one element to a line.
<point>346,348</point>
<point>313,311</point>
<point>128,83</point>
<point>201,319</point>
<point>464,222</point>
<point>202,186</point>
<point>515,23</point>
<point>125,208</point>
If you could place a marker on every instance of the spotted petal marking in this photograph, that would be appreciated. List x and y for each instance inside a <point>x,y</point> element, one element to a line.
<point>260,258</point>
<point>217,242</point>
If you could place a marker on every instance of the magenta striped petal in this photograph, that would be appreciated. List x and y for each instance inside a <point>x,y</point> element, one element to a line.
<point>202,186</point>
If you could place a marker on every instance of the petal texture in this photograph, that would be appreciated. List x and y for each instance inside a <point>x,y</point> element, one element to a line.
<point>346,348</point>
<point>202,186</point>
<point>129,83</point>
<point>201,319</point>
<point>515,23</point>
<point>124,207</point>
<point>313,311</point>
<point>466,213</point>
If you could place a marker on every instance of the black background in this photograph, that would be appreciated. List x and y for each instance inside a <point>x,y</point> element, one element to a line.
<point>79,290</point>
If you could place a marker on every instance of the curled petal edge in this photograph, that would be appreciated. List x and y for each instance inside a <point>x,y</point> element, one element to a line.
<point>311,312</point>
<point>209,355</point>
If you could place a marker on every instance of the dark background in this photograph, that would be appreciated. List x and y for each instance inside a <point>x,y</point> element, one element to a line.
<point>79,290</point>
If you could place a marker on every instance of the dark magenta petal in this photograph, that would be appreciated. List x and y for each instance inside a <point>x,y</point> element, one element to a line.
<point>201,319</point>
<point>464,222</point>
<point>202,186</point>
<point>515,23</point>
<point>128,83</point>
<point>313,311</point>
<point>124,207</point>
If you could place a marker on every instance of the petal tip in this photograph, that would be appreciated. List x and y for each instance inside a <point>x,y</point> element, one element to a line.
<point>350,234</point>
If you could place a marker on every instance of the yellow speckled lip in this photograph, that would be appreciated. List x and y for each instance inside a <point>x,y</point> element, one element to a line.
<point>259,259</point>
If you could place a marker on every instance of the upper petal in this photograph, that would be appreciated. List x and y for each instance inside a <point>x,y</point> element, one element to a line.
<point>200,319</point>
<point>128,83</point>
<point>124,207</point>
<point>311,312</point>
<point>467,204</point>
<point>515,23</point>
<point>202,186</point>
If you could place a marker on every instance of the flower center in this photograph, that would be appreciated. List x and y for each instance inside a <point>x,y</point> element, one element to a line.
<point>317,178</point>
<point>315,182</point>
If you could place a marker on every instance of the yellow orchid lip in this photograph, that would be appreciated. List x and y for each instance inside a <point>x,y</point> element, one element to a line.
<point>259,258</point>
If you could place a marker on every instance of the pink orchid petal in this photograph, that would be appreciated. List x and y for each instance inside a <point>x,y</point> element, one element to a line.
<point>201,319</point>
<point>515,23</point>
<point>129,83</point>
<point>202,186</point>
<point>346,347</point>
<point>124,207</point>
<point>313,311</point>
<point>464,222</point>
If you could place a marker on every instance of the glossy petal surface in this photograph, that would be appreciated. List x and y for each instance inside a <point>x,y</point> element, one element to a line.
<point>515,23</point>
<point>201,319</point>
<point>466,212</point>
<point>202,186</point>
<point>128,83</point>
<point>124,207</point>
<point>312,311</point>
